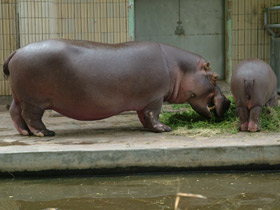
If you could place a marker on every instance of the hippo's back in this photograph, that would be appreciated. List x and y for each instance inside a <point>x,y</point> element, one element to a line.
<point>78,77</point>
<point>253,69</point>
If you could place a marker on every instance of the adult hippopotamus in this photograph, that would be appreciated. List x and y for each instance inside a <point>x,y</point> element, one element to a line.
<point>253,85</point>
<point>90,81</point>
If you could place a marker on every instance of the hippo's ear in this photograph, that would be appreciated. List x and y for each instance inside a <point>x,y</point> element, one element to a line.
<point>213,78</point>
<point>206,66</point>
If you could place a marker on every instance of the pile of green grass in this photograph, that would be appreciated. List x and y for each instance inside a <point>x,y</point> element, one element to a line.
<point>190,123</point>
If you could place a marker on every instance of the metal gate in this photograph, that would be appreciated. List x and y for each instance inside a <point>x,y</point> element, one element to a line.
<point>272,25</point>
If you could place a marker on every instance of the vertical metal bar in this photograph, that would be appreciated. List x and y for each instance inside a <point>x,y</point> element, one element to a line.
<point>35,23</point>
<point>258,28</point>
<point>265,16</point>
<point>100,22</point>
<point>272,59</point>
<point>114,17</point>
<point>126,22</point>
<point>131,29</point>
<point>120,28</point>
<point>244,34</point>
<point>81,21</point>
<point>107,21</point>
<point>42,24</point>
<point>228,40</point>
<point>87,19</point>
<point>48,18</point>
<point>27,16</point>
<point>2,47</point>
<point>17,24</point>
<point>237,30</point>
<point>66,29</point>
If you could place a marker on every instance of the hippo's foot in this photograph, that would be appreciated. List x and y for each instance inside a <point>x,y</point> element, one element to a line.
<point>149,117</point>
<point>42,133</point>
<point>153,124</point>
<point>253,127</point>
<point>159,127</point>
<point>243,126</point>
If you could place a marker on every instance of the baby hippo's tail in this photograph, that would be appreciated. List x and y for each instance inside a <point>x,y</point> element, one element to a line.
<point>249,86</point>
<point>5,66</point>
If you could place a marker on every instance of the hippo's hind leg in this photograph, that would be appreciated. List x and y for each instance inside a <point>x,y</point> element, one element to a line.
<point>273,101</point>
<point>149,117</point>
<point>254,119</point>
<point>15,112</point>
<point>243,114</point>
<point>33,118</point>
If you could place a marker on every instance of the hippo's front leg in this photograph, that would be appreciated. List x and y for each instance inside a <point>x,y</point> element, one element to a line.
<point>149,117</point>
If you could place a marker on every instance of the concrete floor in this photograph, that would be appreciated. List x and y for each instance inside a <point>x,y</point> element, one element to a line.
<point>120,145</point>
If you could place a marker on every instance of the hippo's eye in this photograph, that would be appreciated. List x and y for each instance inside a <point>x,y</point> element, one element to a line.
<point>193,94</point>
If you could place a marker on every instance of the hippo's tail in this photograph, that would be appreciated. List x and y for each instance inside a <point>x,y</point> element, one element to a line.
<point>5,66</point>
<point>249,86</point>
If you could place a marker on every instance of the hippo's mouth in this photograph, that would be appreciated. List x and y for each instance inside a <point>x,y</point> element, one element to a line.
<point>207,110</point>
<point>204,111</point>
<point>211,108</point>
<point>219,108</point>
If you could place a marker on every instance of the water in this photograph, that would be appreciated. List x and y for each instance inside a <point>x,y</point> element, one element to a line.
<point>259,190</point>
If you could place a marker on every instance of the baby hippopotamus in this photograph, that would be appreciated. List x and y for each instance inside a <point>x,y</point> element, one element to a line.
<point>253,85</point>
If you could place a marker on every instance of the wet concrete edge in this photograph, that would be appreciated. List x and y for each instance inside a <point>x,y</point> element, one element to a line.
<point>92,162</point>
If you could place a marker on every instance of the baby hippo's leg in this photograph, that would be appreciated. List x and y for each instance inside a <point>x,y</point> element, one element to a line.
<point>243,114</point>
<point>254,119</point>
<point>273,101</point>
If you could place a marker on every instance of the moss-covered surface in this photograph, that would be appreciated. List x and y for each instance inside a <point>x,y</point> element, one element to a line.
<point>188,122</point>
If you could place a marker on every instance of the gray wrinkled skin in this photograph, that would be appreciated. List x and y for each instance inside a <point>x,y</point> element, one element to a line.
<point>90,81</point>
<point>253,85</point>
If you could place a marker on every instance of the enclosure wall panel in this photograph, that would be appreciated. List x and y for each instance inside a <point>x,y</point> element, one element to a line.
<point>203,29</point>
<point>26,21</point>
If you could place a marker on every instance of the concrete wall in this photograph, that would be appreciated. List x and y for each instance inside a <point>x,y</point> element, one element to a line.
<point>202,20</point>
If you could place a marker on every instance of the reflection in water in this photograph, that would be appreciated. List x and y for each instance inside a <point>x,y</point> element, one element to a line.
<point>148,192</point>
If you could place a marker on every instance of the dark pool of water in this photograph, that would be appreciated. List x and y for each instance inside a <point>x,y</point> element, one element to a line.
<point>258,191</point>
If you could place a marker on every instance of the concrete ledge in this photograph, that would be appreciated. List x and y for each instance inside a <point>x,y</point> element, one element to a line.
<point>21,159</point>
